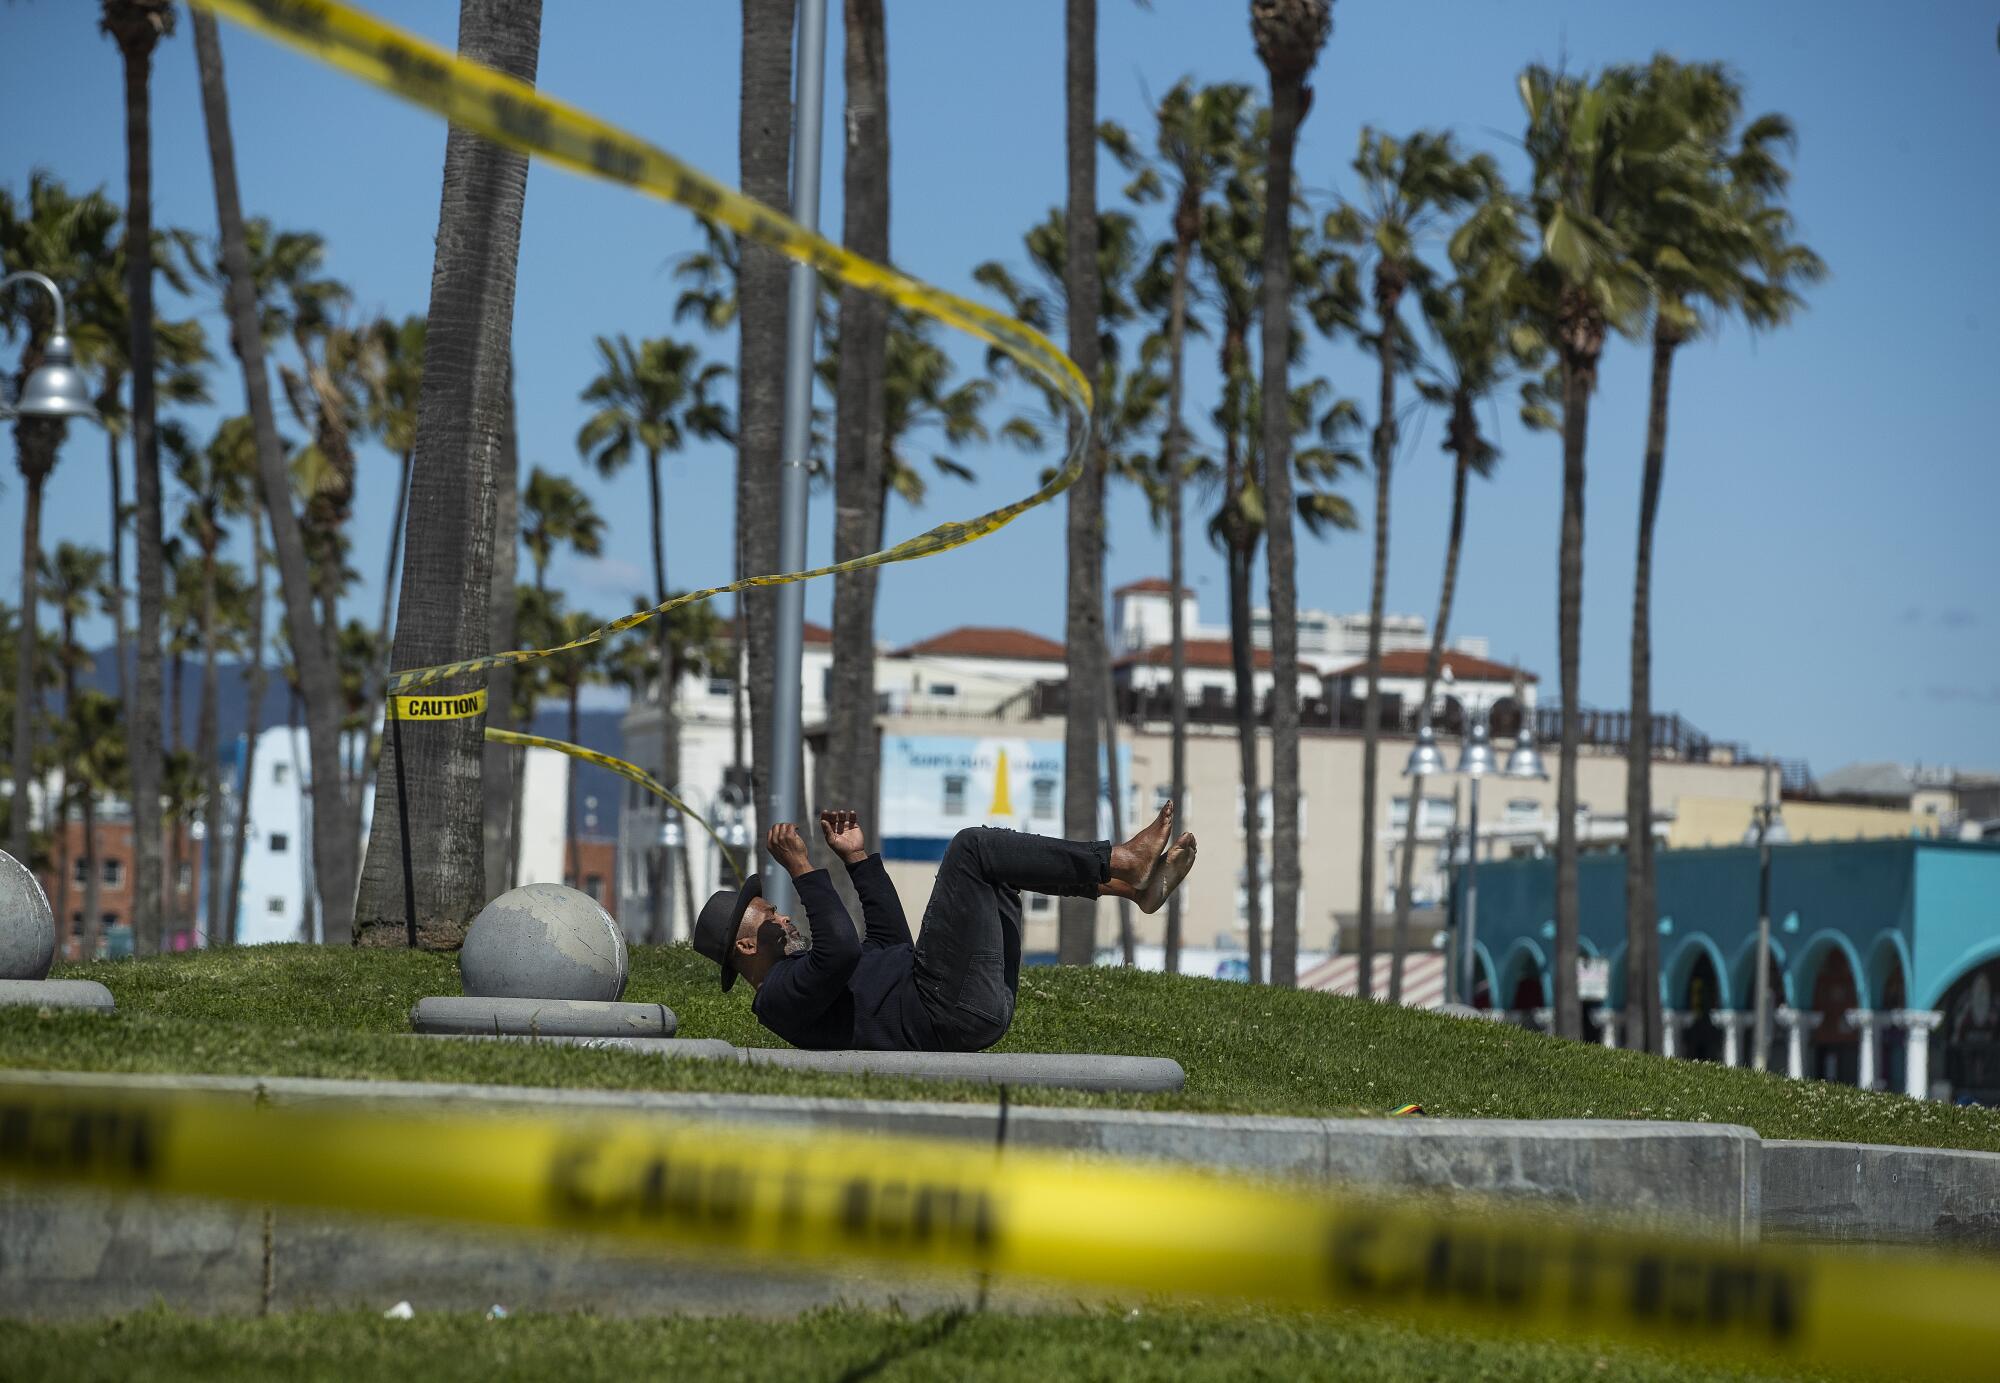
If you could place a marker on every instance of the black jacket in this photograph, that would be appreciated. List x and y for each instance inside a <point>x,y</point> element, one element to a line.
<point>846,993</point>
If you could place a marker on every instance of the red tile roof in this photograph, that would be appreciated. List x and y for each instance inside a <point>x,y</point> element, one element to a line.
<point>1151,585</point>
<point>976,641</point>
<point>1201,653</point>
<point>1409,662</point>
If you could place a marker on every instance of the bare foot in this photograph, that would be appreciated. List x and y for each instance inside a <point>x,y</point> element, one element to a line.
<point>1133,862</point>
<point>1166,877</point>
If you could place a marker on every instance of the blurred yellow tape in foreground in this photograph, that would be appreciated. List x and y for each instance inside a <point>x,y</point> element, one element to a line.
<point>786,1199</point>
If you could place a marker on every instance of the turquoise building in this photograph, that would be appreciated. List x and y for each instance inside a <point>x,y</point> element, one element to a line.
<point>1885,965</point>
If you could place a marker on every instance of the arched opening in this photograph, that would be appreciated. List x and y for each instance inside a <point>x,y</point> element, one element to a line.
<point>1836,1047</point>
<point>1527,991</point>
<point>1700,995</point>
<point>1971,1035</point>
<point>1746,1000</point>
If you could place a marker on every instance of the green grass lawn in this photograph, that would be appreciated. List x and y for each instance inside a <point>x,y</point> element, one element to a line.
<point>330,1011</point>
<point>830,1345</point>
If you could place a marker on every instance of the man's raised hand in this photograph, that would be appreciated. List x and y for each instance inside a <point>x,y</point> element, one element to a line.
<point>788,848</point>
<point>843,835</point>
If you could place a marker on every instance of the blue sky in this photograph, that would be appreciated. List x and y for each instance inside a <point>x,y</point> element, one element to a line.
<point>1825,560</point>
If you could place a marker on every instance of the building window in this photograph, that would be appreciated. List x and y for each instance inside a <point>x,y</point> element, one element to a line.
<point>944,689</point>
<point>954,794</point>
<point>1040,903</point>
<point>281,773</point>
<point>274,905</point>
<point>1044,802</point>
<point>82,870</point>
<point>1523,809</point>
<point>593,884</point>
<point>1435,816</point>
<point>184,879</point>
<point>114,873</point>
<point>280,842</point>
<point>719,686</point>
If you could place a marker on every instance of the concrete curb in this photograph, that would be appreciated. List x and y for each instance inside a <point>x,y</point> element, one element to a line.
<point>1874,1193</point>
<point>88,995</point>
<point>451,1013</point>
<point>1067,1070</point>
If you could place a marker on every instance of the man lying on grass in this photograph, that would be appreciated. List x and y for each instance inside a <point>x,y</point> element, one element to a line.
<point>952,988</point>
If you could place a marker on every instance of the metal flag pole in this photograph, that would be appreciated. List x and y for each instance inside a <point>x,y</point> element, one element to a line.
<point>800,317</point>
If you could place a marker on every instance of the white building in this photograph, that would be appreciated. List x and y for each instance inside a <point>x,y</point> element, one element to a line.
<point>277,839</point>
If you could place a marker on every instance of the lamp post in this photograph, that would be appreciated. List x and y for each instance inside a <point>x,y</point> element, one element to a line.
<point>1767,828</point>
<point>1475,761</point>
<point>800,318</point>
<point>55,388</point>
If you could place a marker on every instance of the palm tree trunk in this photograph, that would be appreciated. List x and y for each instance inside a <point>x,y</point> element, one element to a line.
<point>461,429</point>
<point>502,764</point>
<point>1642,933</point>
<point>121,632</point>
<point>61,834</point>
<point>178,667</point>
<point>1576,424</point>
<point>1186,223</point>
<point>395,548</point>
<point>92,901</point>
<point>849,773</point>
<point>333,848</point>
<point>572,874</point>
<point>1288,108</point>
<point>27,654</point>
<point>1432,662</point>
<point>1246,747</point>
<point>207,751</point>
<point>253,714</point>
<point>670,730</point>
<point>1115,788</point>
<point>764,155</point>
<point>136,47</point>
<point>1371,708</point>
<point>1084,617</point>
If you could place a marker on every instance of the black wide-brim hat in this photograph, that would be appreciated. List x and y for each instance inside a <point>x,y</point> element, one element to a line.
<point>715,928</point>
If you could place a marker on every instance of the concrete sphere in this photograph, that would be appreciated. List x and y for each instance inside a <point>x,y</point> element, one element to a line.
<point>543,941</point>
<point>27,925</point>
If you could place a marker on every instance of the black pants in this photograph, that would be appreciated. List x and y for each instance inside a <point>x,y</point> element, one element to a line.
<point>968,963</point>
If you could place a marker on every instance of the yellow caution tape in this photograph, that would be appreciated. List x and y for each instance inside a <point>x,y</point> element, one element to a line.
<point>511,112</point>
<point>623,769</point>
<point>438,707</point>
<point>785,1198</point>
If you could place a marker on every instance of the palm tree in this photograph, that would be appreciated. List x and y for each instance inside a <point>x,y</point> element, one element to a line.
<point>1406,185</point>
<point>850,769</point>
<point>74,577</point>
<point>1586,143</point>
<point>137,26</point>
<point>1089,660</point>
<point>246,263</point>
<point>555,513</point>
<point>462,422</point>
<point>651,399</point>
<point>70,240</point>
<point>1713,238</point>
<point>392,366</point>
<point>218,479</point>
<point>1289,35</point>
<point>1469,317</point>
<point>764,154</point>
<point>1199,136</point>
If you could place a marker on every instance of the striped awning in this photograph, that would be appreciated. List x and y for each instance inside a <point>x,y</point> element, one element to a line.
<point>1423,977</point>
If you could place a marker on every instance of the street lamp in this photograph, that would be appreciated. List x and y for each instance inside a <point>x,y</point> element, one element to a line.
<point>55,388</point>
<point>1767,828</point>
<point>1475,761</point>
